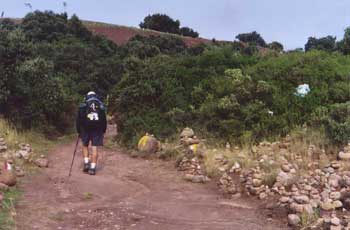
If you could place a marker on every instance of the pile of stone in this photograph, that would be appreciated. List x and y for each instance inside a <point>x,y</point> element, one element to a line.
<point>345,154</point>
<point>190,142</point>
<point>227,185</point>
<point>3,146</point>
<point>221,162</point>
<point>25,151</point>
<point>236,168</point>
<point>252,181</point>
<point>286,176</point>
<point>193,170</point>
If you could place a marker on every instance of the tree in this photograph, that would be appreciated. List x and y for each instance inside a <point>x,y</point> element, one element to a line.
<point>45,26</point>
<point>164,23</point>
<point>161,22</point>
<point>325,43</point>
<point>344,45</point>
<point>252,38</point>
<point>275,46</point>
<point>186,31</point>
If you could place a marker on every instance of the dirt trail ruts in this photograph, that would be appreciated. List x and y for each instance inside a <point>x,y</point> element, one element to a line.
<point>127,193</point>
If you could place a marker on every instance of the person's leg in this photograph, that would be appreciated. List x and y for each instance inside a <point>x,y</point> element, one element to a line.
<point>97,140</point>
<point>85,141</point>
<point>94,157</point>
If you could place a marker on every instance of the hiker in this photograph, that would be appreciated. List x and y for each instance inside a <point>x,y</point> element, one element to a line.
<point>91,126</point>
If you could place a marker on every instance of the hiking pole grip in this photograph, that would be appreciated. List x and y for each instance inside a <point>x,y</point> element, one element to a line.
<point>75,150</point>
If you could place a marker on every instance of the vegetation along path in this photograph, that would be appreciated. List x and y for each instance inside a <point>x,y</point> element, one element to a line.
<point>127,193</point>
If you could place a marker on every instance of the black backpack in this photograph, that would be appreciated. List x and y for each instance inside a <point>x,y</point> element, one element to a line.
<point>94,108</point>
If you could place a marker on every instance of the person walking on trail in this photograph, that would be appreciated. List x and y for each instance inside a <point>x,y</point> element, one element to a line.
<point>91,127</point>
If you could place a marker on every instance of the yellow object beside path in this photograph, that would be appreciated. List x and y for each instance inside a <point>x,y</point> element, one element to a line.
<point>142,142</point>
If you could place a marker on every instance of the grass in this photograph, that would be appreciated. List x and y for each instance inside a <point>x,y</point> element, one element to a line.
<point>40,146</point>
<point>8,211</point>
<point>87,195</point>
<point>307,220</point>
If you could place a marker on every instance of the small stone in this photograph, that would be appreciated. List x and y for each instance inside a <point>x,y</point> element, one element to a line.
<point>335,227</point>
<point>344,156</point>
<point>42,162</point>
<point>285,168</point>
<point>302,199</point>
<point>327,206</point>
<point>3,187</point>
<point>298,208</point>
<point>257,182</point>
<point>335,221</point>
<point>335,195</point>
<point>293,219</point>
<point>284,199</point>
<point>337,204</point>
<point>262,196</point>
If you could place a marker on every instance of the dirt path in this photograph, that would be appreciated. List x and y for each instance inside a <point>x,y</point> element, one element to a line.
<point>127,193</point>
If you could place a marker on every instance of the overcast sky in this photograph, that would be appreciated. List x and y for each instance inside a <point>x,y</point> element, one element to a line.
<point>290,22</point>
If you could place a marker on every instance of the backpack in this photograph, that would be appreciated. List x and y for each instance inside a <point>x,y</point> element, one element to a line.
<point>94,108</point>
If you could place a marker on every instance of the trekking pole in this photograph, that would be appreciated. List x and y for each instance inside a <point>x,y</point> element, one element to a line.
<point>75,150</point>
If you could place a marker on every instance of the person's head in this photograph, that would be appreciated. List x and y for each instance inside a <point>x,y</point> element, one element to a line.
<point>90,95</point>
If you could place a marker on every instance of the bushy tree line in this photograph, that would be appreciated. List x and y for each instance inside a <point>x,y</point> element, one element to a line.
<point>234,96</point>
<point>156,84</point>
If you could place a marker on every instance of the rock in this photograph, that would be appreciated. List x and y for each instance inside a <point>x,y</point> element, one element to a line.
<point>293,219</point>
<point>327,206</point>
<point>335,195</point>
<point>187,132</point>
<point>284,199</point>
<point>8,178</point>
<point>257,182</point>
<point>20,173</point>
<point>335,227</point>
<point>335,221</point>
<point>298,208</point>
<point>308,209</point>
<point>262,195</point>
<point>235,168</point>
<point>148,144</point>
<point>302,199</point>
<point>199,179</point>
<point>42,162</point>
<point>3,187</point>
<point>344,156</point>
<point>337,204</point>
<point>188,177</point>
<point>285,168</point>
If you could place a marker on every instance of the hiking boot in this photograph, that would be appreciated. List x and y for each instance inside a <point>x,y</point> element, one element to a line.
<point>86,167</point>
<point>92,171</point>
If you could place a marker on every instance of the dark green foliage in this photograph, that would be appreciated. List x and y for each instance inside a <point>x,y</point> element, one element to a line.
<point>48,62</point>
<point>325,43</point>
<point>161,22</point>
<point>344,45</point>
<point>230,95</point>
<point>186,31</point>
<point>164,23</point>
<point>275,46</point>
<point>252,38</point>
